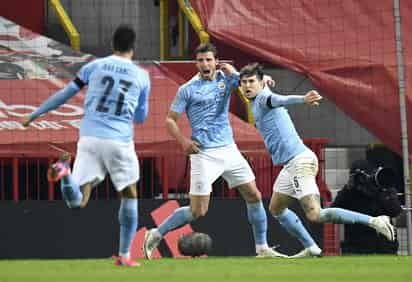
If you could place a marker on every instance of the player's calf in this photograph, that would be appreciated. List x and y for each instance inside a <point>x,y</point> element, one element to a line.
<point>70,189</point>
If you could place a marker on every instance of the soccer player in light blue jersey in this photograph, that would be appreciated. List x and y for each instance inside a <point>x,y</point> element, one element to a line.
<point>117,95</point>
<point>297,179</point>
<point>213,153</point>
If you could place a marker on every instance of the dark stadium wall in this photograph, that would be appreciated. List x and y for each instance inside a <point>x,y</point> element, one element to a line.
<point>41,229</point>
<point>29,14</point>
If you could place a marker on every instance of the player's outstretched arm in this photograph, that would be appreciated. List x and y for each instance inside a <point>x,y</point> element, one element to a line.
<point>53,102</point>
<point>189,146</point>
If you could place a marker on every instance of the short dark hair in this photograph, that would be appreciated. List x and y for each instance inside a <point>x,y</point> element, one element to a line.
<point>206,47</point>
<point>124,38</point>
<point>251,70</point>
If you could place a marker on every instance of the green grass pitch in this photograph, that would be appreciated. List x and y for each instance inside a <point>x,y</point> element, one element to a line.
<point>226,269</point>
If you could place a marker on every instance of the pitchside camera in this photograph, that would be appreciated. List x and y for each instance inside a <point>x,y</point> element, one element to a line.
<point>195,244</point>
<point>381,177</point>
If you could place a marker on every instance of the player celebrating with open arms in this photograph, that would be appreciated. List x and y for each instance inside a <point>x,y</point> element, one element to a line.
<point>213,153</point>
<point>297,179</point>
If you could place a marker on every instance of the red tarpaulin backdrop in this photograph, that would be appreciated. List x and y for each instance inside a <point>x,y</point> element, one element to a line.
<point>347,48</point>
<point>29,14</point>
<point>18,97</point>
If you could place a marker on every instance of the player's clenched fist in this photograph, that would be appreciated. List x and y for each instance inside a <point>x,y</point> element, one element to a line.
<point>190,146</point>
<point>312,98</point>
<point>26,120</point>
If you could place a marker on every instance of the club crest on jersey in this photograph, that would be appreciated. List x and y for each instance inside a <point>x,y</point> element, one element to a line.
<point>221,85</point>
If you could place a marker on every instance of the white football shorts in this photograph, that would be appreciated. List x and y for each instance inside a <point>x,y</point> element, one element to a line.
<point>96,157</point>
<point>209,164</point>
<point>298,177</point>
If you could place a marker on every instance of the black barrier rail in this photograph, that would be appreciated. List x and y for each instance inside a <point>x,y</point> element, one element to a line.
<point>161,177</point>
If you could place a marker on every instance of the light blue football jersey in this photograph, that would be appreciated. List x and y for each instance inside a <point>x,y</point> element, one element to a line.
<point>206,104</point>
<point>276,126</point>
<point>117,94</point>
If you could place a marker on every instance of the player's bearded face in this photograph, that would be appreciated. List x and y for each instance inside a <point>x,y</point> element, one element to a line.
<point>206,64</point>
<point>251,86</point>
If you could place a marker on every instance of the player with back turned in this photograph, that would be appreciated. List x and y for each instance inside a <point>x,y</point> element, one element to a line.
<point>117,95</point>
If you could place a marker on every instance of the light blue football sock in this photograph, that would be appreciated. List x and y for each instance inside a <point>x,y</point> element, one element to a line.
<point>128,219</point>
<point>178,218</point>
<point>338,215</point>
<point>257,218</point>
<point>294,226</point>
<point>71,191</point>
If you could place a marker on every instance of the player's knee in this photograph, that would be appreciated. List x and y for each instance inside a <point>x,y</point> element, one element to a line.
<point>252,196</point>
<point>313,215</point>
<point>129,192</point>
<point>83,203</point>
<point>86,191</point>
<point>275,210</point>
<point>256,196</point>
<point>199,212</point>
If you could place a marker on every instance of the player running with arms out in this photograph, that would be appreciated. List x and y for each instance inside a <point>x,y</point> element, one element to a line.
<point>213,153</point>
<point>117,95</point>
<point>300,165</point>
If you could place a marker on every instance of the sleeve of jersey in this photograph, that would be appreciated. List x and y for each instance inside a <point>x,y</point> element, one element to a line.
<point>275,100</point>
<point>233,79</point>
<point>57,99</point>
<point>86,70</point>
<point>142,109</point>
<point>180,101</point>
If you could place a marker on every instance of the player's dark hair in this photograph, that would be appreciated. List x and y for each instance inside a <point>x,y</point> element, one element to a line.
<point>124,38</point>
<point>204,48</point>
<point>251,70</point>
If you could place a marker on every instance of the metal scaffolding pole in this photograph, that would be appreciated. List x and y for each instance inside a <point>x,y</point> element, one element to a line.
<point>404,125</point>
